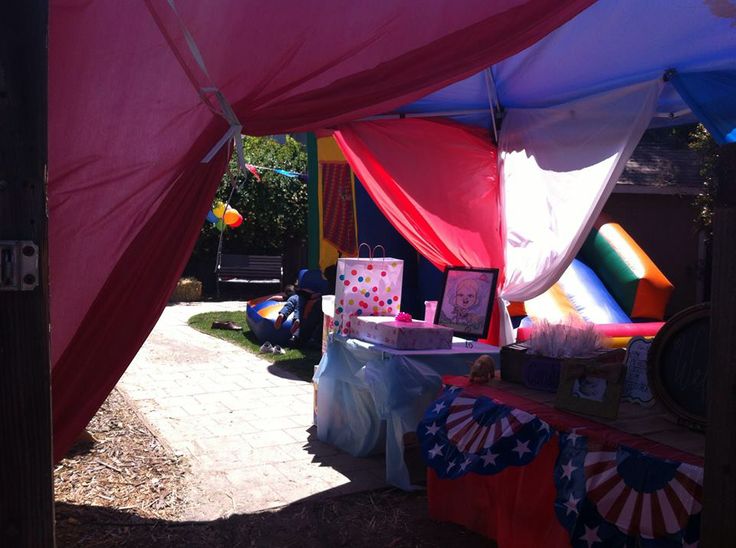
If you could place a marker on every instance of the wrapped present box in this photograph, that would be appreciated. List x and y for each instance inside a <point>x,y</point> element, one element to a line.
<point>414,335</point>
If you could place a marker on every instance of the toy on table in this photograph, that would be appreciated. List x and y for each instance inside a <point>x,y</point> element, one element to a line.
<point>482,370</point>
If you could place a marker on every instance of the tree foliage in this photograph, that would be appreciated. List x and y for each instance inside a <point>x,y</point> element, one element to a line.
<point>274,209</point>
<point>701,141</point>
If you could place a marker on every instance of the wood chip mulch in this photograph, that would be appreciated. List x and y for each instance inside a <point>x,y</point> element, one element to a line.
<point>127,489</point>
<point>119,477</point>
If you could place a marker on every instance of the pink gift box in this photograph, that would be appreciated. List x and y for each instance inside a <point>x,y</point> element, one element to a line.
<point>414,335</point>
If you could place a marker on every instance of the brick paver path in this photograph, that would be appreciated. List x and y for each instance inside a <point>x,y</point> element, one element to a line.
<point>245,425</point>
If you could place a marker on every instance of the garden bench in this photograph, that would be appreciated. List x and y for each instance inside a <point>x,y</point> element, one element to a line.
<point>261,269</point>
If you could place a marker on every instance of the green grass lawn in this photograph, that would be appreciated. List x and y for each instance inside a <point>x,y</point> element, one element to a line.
<point>298,361</point>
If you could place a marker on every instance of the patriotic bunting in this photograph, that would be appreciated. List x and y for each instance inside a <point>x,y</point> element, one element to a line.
<point>464,433</point>
<point>605,495</point>
<point>622,497</point>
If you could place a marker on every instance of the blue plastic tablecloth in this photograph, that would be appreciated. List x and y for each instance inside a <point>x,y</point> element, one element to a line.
<point>369,395</point>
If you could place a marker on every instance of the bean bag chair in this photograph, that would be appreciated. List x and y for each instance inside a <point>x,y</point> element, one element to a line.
<point>261,314</point>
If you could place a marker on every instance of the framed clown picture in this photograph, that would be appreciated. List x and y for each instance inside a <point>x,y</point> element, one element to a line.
<point>466,301</point>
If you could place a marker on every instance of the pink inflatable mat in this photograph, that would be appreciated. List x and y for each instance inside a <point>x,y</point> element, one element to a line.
<point>644,329</point>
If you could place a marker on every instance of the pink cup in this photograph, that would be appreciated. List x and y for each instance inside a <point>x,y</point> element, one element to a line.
<point>430,307</point>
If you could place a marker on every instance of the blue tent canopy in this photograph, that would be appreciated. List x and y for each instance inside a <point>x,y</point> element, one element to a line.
<point>611,45</point>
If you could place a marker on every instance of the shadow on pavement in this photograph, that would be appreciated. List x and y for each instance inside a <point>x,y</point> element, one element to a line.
<point>288,369</point>
<point>386,517</point>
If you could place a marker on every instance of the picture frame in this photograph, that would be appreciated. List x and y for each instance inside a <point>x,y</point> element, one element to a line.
<point>592,386</point>
<point>466,301</point>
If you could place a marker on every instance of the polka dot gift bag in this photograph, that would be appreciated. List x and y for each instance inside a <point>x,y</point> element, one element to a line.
<point>366,286</point>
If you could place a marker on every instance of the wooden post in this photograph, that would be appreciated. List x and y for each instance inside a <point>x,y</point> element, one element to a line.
<point>313,232</point>
<point>26,485</point>
<point>719,514</point>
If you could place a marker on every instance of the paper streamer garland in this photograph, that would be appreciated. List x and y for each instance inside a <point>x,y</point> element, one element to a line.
<point>286,173</point>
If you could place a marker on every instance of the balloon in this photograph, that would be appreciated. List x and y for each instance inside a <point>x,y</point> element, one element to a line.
<point>219,210</point>
<point>238,221</point>
<point>220,224</point>
<point>231,215</point>
<point>211,217</point>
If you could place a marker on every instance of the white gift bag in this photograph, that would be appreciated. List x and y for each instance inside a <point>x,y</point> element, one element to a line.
<point>366,286</point>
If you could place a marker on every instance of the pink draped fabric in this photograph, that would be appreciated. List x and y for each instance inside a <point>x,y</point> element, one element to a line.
<point>133,110</point>
<point>437,184</point>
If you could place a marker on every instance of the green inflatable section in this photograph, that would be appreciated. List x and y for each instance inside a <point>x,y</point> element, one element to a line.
<point>616,275</point>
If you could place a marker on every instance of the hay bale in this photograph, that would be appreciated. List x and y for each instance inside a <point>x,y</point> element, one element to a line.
<point>187,290</point>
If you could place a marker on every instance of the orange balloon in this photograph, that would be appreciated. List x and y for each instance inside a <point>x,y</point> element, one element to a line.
<point>238,222</point>
<point>231,216</point>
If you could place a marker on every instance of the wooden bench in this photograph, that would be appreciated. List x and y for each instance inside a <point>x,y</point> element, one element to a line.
<point>261,269</point>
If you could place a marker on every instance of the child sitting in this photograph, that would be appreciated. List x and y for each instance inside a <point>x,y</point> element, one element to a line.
<point>291,306</point>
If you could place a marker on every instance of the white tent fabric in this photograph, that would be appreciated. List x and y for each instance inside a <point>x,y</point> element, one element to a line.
<point>558,167</point>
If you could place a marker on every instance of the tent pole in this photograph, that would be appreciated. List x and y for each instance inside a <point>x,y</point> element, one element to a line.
<point>492,100</point>
<point>441,113</point>
<point>719,500</point>
<point>26,479</point>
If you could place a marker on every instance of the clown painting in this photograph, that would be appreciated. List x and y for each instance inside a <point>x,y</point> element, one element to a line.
<point>467,299</point>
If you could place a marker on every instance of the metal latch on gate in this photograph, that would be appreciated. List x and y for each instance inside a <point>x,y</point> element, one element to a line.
<point>18,265</point>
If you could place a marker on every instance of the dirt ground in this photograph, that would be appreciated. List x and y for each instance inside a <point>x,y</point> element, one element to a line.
<point>127,489</point>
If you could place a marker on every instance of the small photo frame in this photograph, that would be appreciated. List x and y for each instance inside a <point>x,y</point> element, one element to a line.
<point>589,388</point>
<point>466,301</point>
<point>592,386</point>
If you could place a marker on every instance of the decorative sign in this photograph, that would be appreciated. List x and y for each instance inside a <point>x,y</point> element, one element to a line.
<point>678,362</point>
<point>636,383</point>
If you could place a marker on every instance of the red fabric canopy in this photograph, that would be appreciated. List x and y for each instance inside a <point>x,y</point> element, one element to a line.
<point>437,184</point>
<point>134,109</point>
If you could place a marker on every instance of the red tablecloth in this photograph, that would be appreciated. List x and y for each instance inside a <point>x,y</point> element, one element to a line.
<point>519,506</point>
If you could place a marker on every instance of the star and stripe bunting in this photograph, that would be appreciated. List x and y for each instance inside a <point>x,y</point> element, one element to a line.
<point>621,496</point>
<point>462,433</point>
<point>605,496</point>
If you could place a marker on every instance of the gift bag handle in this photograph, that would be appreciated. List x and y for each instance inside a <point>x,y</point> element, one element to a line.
<point>372,252</point>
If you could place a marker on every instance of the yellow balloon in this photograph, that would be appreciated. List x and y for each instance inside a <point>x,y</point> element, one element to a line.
<point>231,216</point>
<point>219,210</point>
